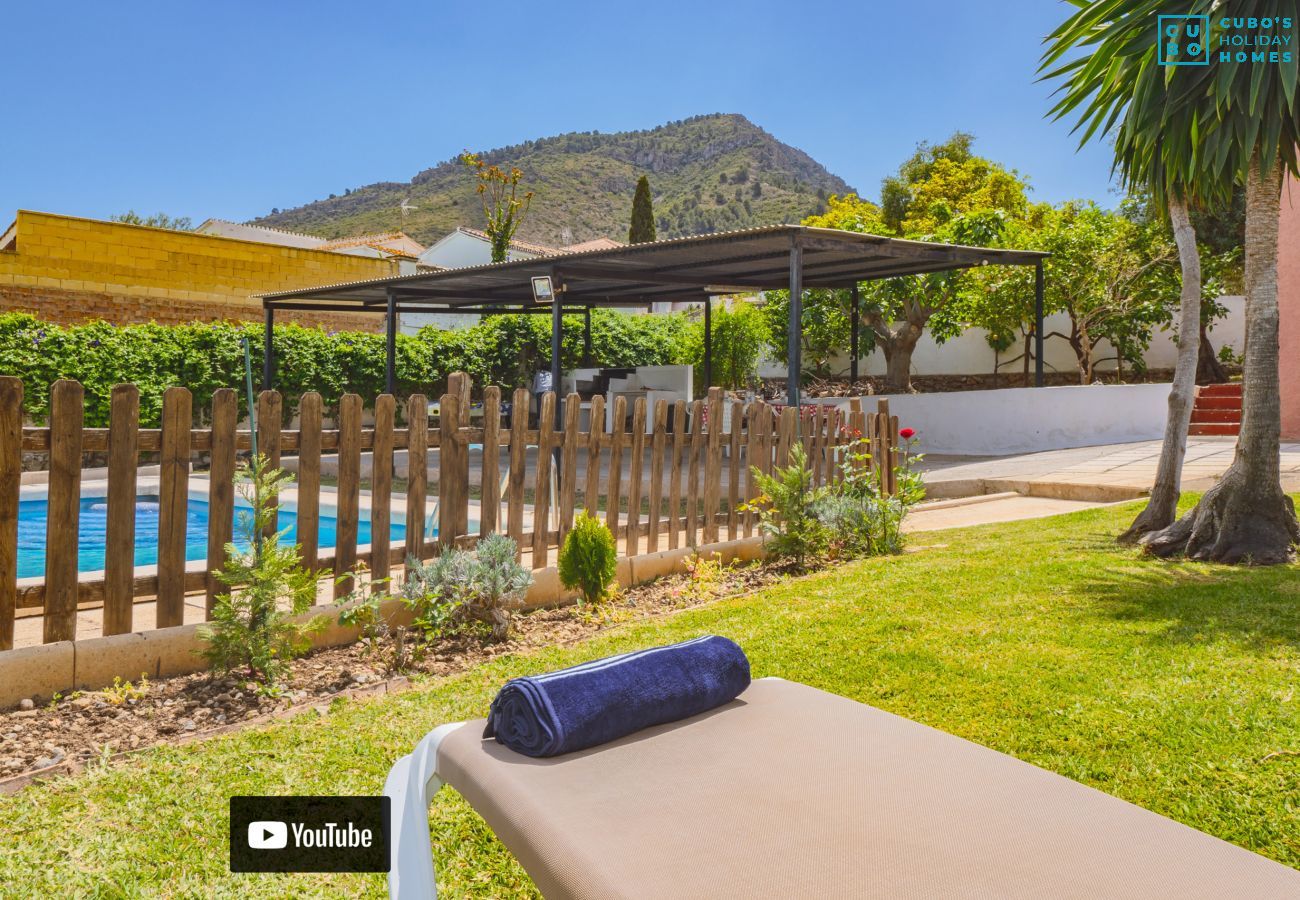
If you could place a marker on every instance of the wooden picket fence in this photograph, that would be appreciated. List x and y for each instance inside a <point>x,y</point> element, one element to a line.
<point>700,459</point>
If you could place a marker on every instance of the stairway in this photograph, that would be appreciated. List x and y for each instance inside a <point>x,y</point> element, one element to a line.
<point>1217,410</point>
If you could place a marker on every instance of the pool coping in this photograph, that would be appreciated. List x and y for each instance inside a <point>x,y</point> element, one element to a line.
<point>199,490</point>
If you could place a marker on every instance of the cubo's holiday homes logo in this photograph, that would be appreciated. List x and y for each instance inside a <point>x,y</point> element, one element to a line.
<point>1200,40</point>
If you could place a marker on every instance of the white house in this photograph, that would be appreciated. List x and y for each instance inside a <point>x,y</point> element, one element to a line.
<point>470,247</point>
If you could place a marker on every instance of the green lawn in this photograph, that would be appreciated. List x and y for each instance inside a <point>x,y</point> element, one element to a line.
<point>1166,684</point>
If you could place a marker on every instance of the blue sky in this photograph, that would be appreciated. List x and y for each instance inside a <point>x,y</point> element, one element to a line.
<point>228,109</point>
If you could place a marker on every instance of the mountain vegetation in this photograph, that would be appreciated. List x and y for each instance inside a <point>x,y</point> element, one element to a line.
<point>709,173</point>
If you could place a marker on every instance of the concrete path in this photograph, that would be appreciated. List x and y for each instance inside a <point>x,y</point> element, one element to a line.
<point>988,508</point>
<point>1109,472</point>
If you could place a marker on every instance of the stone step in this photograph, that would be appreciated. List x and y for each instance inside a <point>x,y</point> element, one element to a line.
<point>1204,402</point>
<point>1231,389</point>
<point>1225,429</point>
<point>1206,416</point>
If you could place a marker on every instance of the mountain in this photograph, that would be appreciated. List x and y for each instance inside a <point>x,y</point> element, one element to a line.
<point>707,173</point>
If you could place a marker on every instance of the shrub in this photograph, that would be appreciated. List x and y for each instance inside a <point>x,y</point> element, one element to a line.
<point>252,623</point>
<point>787,507</point>
<point>739,336</point>
<point>501,583</point>
<point>863,519</point>
<point>362,608</point>
<point>484,586</point>
<point>501,350</point>
<point>589,558</point>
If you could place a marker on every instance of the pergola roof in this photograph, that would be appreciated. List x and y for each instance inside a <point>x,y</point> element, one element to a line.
<point>640,274</point>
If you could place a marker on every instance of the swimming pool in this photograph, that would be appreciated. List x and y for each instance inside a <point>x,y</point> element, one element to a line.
<point>32,515</point>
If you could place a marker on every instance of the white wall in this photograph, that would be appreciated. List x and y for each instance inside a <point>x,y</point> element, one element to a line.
<point>970,354</point>
<point>1026,420</point>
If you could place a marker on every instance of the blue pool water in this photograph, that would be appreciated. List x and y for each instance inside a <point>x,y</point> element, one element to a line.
<point>32,515</point>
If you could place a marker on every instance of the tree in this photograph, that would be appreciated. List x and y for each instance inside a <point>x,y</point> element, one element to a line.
<point>823,333</point>
<point>643,214</point>
<point>941,193</point>
<point>1105,274</point>
<point>1198,132</point>
<point>157,220</point>
<point>503,209</point>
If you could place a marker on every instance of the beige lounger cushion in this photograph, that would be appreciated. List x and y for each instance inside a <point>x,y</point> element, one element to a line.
<point>792,792</point>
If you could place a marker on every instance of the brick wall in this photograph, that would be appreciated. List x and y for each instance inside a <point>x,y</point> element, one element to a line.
<point>66,270</point>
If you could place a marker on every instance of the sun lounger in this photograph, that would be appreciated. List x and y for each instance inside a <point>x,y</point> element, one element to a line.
<point>788,791</point>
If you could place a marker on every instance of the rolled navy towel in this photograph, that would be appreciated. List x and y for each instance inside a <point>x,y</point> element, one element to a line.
<point>605,699</point>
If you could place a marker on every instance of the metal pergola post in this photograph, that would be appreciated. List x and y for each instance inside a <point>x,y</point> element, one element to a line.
<point>708,342</point>
<point>795,326</point>
<point>855,300</point>
<point>268,349</point>
<point>1038,323</point>
<point>390,345</point>
<point>586,336</point>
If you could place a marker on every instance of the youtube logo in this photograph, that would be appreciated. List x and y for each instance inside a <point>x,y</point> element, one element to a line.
<point>268,835</point>
<point>309,834</point>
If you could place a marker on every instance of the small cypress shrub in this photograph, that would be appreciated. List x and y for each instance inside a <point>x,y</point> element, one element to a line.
<point>589,558</point>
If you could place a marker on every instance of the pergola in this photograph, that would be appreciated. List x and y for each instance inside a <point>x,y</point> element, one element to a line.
<point>682,269</point>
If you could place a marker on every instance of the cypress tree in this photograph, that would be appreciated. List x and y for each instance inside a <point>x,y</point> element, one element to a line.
<point>643,216</point>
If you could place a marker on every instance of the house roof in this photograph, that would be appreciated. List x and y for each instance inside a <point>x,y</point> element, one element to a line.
<point>536,249</point>
<point>394,243</point>
<point>679,269</point>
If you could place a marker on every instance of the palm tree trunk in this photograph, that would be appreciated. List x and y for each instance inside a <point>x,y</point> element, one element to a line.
<point>1162,508</point>
<point>1246,517</point>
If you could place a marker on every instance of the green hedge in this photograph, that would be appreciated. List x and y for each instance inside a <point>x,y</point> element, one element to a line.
<point>501,350</point>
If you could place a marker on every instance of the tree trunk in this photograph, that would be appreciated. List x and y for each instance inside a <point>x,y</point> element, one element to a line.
<point>898,367</point>
<point>1162,508</point>
<point>1246,517</point>
<point>1208,368</point>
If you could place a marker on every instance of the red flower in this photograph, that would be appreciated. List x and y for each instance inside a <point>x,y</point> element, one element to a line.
<point>906,433</point>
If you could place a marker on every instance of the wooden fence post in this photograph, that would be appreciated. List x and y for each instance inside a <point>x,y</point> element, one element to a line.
<point>489,507</point>
<point>542,487</point>
<point>595,439</point>
<point>613,491</point>
<point>417,474</point>
<point>569,464</point>
<point>694,452</point>
<point>64,507</point>
<point>119,528</point>
<point>713,467</point>
<point>173,503</point>
<point>349,494</point>
<point>221,491</point>
<point>381,495</point>
<point>733,474</point>
<point>657,442</point>
<point>452,489</point>
<point>786,436</point>
<point>755,417</point>
<point>880,447</point>
<point>518,468</point>
<point>309,441</point>
<point>637,474</point>
<point>675,475</point>
<point>11,471</point>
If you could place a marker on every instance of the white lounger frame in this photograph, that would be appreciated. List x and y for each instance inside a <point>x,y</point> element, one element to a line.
<point>411,784</point>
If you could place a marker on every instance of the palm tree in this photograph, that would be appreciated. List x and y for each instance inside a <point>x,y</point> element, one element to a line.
<point>1191,133</point>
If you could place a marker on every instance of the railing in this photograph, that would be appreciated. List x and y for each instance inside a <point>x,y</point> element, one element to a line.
<point>698,457</point>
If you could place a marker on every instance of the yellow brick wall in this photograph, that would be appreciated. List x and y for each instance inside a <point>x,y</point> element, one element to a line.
<point>169,276</point>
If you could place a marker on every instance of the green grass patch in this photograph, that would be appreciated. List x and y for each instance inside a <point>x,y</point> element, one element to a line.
<point>1171,685</point>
